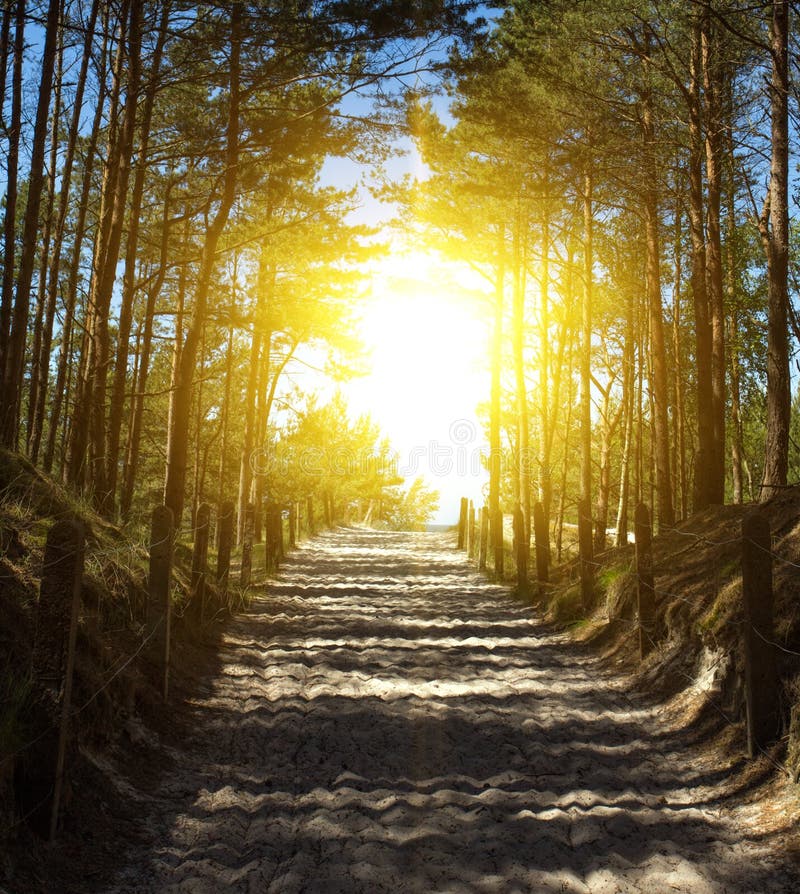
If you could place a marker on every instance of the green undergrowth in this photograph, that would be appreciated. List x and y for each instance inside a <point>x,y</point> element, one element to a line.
<point>699,612</point>
<point>117,671</point>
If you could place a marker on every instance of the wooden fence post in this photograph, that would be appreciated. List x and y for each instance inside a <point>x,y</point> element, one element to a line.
<point>279,540</point>
<point>247,546</point>
<point>158,585</point>
<point>520,550</point>
<point>310,516</point>
<point>258,521</point>
<point>471,531</point>
<point>646,597</point>
<point>273,540</point>
<point>483,545</point>
<point>462,523</point>
<point>292,525</point>
<point>761,674</point>
<point>57,630</point>
<point>700,482</point>
<point>199,562</point>
<point>497,543</point>
<point>541,545</point>
<point>269,540</point>
<point>225,528</point>
<point>585,552</point>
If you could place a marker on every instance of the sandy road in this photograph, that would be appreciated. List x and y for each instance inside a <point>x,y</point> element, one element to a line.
<point>386,721</point>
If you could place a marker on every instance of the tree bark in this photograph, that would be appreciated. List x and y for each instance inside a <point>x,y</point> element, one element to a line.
<point>712,74</point>
<point>628,390</point>
<point>70,302</point>
<point>545,412</point>
<point>117,405</point>
<point>44,317</point>
<point>78,463</point>
<point>58,240</point>
<point>702,324</point>
<point>12,189</point>
<point>104,282</point>
<point>660,385</point>
<point>245,463</point>
<point>679,421</point>
<point>137,400</point>
<point>586,337</point>
<point>10,399</point>
<point>775,232</point>
<point>5,43</point>
<point>523,441</point>
<point>180,402</point>
<point>495,469</point>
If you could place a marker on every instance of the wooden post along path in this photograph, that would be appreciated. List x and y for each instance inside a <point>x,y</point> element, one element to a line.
<point>462,523</point>
<point>57,631</point>
<point>761,673</point>
<point>471,550</point>
<point>293,525</point>
<point>646,597</point>
<point>225,527</point>
<point>483,545</point>
<point>158,585</point>
<point>541,545</point>
<point>520,550</point>
<point>497,543</point>
<point>197,598</point>
<point>247,546</point>
<point>585,552</point>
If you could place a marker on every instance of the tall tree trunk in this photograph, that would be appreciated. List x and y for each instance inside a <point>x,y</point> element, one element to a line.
<point>679,420</point>
<point>586,337</point>
<point>197,487</point>
<point>732,290</point>
<point>607,429</point>
<point>660,384</point>
<point>737,446</point>
<point>545,427</point>
<point>44,318</point>
<point>775,233</point>
<point>245,465</point>
<point>70,301</point>
<point>107,270</point>
<point>12,190</point>
<point>703,338</point>
<point>523,440</point>
<point>37,425</point>
<point>117,404</point>
<point>10,399</point>
<point>712,74</point>
<point>180,402</point>
<point>5,43</point>
<point>628,390</point>
<point>222,482</point>
<point>137,399</point>
<point>495,470</point>
<point>83,417</point>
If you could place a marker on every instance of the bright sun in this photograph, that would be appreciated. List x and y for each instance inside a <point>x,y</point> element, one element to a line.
<point>425,326</point>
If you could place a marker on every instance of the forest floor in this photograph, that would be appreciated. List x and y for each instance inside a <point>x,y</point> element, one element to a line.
<point>384,719</point>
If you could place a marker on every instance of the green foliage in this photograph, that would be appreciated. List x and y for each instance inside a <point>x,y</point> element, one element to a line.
<point>326,454</point>
<point>408,509</point>
<point>567,605</point>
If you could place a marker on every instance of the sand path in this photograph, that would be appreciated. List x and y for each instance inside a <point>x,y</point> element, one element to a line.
<point>387,721</point>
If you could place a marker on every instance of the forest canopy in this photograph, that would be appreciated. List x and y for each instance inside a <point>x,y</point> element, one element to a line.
<point>619,174</point>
